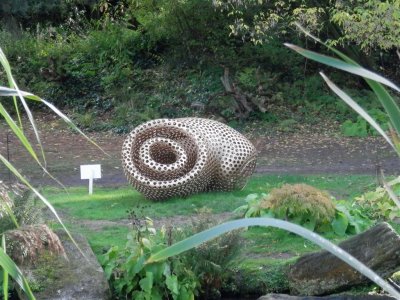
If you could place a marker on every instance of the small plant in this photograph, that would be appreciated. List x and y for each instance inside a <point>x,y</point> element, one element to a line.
<point>349,219</point>
<point>131,278</point>
<point>23,205</point>
<point>378,205</point>
<point>309,207</point>
<point>27,209</point>
<point>253,207</point>
<point>300,201</point>
<point>210,261</point>
<point>302,204</point>
<point>361,127</point>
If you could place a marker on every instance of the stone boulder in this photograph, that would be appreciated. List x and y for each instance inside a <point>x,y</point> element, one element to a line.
<point>75,278</point>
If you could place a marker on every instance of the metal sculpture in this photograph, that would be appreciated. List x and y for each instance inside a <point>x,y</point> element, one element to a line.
<point>177,157</point>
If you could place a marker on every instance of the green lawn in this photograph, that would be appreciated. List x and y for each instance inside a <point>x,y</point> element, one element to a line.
<point>113,203</point>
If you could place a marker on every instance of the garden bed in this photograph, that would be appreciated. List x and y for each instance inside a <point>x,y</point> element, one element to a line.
<point>261,264</point>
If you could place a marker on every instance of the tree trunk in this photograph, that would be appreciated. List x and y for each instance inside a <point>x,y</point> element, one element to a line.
<point>323,273</point>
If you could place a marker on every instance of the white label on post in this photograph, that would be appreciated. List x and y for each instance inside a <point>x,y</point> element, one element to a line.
<point>90,172</point>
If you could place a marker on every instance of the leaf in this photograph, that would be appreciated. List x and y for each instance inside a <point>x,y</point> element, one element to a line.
<point>204,236</point>
<point>18,132</point>
<point>251,197</point>
<point>251,212</point>
<point>342,65</point>
<point>240,209</point>
<point>7,68</point>
<point>390,192</point>
<point>13,84</point>
<point>184,294</point>
<point>138,266</point>
<point>157,269</point>
<point>155,295</point>
<point>354,105</point>
<point>146,243</point>
<point>310,224</point>
<point>5,274</point>
<point>391,108</point>
<point>172,284</point>
<point>41,197</point>
<point>340,223</point>
<point>8,92</point>
<point>12,269</point>
<point>147,283</point>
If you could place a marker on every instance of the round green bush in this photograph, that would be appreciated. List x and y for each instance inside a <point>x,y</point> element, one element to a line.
<point>300,203</point>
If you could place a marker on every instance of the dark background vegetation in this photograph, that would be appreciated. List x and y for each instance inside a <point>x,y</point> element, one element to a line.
<point>113,64</point>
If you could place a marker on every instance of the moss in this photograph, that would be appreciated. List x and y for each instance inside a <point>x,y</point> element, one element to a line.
<point>48,269</point>
<point>255,277</point>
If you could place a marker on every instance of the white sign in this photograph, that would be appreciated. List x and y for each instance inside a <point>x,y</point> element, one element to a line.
<point>90,172</point>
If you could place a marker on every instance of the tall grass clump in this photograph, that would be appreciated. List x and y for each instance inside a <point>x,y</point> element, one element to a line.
<point>8,267</point>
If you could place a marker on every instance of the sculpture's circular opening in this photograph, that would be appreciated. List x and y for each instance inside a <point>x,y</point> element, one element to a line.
<point>163,153</point>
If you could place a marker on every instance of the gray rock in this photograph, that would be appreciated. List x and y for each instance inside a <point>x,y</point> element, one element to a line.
<point>76,279</point>
<point>335,297</point>
<point>322,273</point>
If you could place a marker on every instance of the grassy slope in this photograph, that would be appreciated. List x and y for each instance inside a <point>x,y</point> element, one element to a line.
<point>266,253</point>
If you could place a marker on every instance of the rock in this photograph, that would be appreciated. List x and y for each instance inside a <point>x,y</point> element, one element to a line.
<point>78,278</point>
<point>323,273</point>
<point>26,244</point>
<point>334,297</point>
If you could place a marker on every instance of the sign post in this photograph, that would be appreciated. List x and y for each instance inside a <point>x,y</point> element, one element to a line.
<point>90,172</point>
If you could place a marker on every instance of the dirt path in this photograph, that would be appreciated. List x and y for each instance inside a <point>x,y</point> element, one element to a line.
<point>291,153</point>
<point>98,225</point>
<point>175,221</point>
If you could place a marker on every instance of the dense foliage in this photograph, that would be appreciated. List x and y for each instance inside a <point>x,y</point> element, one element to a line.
<point>378,204</point>
<point>300,201</point>
<point>309,207</point>
<point>201,272</point>
<point>132,278</point>
<point>131,61</point>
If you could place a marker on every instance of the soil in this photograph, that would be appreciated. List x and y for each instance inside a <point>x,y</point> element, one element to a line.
<point>320,150</point>
<point>175,221</point>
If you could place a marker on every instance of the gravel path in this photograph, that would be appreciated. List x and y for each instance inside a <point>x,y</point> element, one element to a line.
<point>279,153</point>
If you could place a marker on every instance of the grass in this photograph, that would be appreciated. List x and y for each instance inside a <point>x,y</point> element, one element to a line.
<point>113,203</point>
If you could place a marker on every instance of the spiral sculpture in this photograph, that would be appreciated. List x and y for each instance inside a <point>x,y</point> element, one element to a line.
<point>177,157</point>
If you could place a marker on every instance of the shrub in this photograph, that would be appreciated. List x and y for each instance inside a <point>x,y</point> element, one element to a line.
<point>378,205</point>
<point>362,128</point>
<point>132,278</point>
<point>307,209</point>
<point>301,202</point>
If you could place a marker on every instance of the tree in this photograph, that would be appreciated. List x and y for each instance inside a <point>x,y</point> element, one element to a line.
<point>369,24</point>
